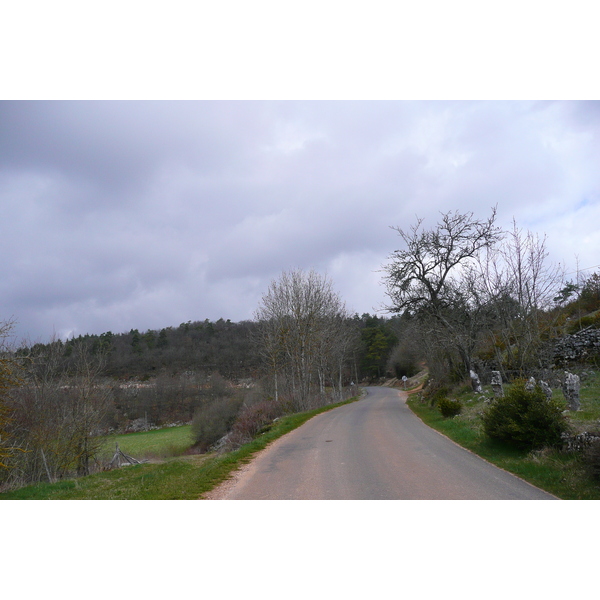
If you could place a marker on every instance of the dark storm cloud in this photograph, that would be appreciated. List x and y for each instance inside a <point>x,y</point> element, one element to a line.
<point>147,214</point>
<point>114,145</point>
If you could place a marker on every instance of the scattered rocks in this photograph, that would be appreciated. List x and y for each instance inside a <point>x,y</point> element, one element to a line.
<point>531,383</point>
<point>143,425</point>
<point>475,382</point>
<point>578,442</point>
<point>496,383</point>
<point>546,389</point>
<point>570,388</point>
<point>139,425</point>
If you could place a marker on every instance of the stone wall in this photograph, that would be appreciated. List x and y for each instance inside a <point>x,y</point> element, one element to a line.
<point>577,347</point>
<point>579,442</point>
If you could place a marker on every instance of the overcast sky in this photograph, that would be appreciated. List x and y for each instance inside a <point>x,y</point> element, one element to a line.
<point>127,214</point>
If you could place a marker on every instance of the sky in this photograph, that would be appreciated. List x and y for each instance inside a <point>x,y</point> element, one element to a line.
<point>164,166</point>
<point>147,214</point>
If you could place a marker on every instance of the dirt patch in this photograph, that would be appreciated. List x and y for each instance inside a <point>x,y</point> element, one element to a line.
<point>415,390</point>
<point>222,490</point>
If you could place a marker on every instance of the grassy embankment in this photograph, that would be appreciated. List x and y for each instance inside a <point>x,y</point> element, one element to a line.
<point>177,478</point>
<point>562,474</point>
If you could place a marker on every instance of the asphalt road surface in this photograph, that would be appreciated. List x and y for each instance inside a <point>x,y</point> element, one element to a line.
<point>372,449</point>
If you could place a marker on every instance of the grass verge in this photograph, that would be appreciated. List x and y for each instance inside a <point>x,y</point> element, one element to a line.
<point>185,478</point>
<point>560,473</point>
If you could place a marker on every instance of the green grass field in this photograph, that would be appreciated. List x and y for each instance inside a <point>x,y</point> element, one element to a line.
<point>157,444</point>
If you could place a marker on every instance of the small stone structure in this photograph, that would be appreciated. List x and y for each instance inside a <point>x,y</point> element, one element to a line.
<point>579,442</point>
<point>546,389</point>
<point>570,388</point>
<point>475,382</point>
<point>531,383</point>
<point>497,384</point>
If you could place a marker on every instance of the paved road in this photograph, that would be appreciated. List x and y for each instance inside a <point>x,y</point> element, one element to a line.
<point>372,449</point>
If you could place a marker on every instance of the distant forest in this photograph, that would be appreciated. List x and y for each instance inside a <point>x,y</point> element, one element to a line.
<point>222,347</point>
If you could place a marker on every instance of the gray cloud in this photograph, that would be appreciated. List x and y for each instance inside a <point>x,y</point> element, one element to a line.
<point>146,214</point>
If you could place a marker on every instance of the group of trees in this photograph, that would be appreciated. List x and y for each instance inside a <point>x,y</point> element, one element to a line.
<point>220,346</point>
<point>305,338</point>
<point>50,418</point>
<point>313,349</point>
<point>55,410</point>
<point>476,294</point>
<point>9,379</point>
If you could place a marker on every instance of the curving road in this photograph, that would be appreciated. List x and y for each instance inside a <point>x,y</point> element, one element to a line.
<point>375,448</point>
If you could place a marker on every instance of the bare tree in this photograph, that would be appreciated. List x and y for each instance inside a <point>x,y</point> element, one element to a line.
<point>57,415</point>
<point>89,399</point>
<point>520,287</point>
<point>422,275</point>
<point>300,333</point>
<point>432,278</point>
<point>337,340</point>
<point>470,294</point>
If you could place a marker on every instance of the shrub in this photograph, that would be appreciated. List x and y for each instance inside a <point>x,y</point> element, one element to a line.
<point>433,393</point>
<point>449,408</point>
<point>591,458</point>
<point>253,419</point>
<point>577,325</point>
<point>525,419</point>
<point>213,419</point>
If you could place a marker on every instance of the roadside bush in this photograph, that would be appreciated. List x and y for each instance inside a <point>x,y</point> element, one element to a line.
<point>449,408</point>
<point>445,366</point>
<point>254,419</point>
<point>433,393</point>
<point>525,419</point>
<point>213,419</point>
<point>591,458</point>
